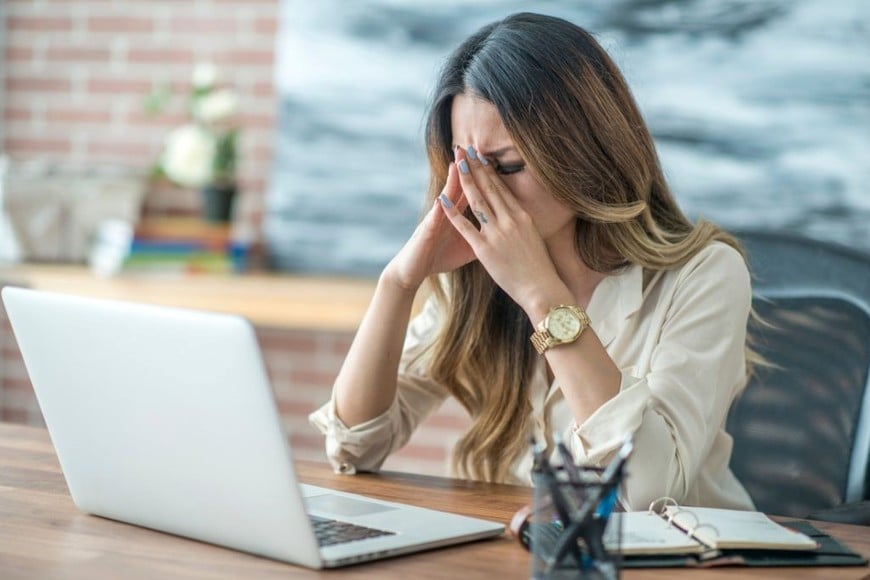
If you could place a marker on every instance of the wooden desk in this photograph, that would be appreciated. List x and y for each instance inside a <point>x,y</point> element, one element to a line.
<point>42,535</point>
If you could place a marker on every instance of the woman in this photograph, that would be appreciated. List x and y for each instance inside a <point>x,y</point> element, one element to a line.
<point>551,219</point>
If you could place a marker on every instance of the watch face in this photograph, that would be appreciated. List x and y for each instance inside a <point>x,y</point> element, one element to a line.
<point>563,324</point>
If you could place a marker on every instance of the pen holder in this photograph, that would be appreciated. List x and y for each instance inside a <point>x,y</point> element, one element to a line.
<point>571,531</point>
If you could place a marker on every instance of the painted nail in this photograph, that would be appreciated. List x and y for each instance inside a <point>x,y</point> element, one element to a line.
<point>445,201</point>
<point>483,160</point>
<point>463,166</point>
<point>472,154</point>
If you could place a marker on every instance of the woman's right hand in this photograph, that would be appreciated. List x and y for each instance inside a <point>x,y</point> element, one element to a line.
<point>435,245</point>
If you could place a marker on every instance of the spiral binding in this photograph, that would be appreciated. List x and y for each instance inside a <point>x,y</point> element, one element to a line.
<point>660,507</point>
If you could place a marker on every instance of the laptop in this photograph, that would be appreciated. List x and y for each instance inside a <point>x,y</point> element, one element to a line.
<point>164,418</point>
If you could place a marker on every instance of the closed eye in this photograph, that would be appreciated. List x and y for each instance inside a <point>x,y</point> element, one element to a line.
<point>509,169</point>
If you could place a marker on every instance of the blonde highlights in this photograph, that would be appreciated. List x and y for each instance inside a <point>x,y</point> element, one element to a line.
<point>573,119</point>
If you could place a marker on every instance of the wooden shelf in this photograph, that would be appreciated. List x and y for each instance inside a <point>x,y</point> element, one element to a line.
<point>267,299</point>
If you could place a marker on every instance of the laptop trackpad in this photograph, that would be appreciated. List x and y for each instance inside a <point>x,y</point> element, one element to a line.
<point>340,505</point>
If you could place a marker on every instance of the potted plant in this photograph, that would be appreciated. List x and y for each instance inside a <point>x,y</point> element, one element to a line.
<point>203,153</point>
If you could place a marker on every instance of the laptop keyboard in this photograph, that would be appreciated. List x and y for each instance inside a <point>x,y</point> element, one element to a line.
<point>331,532</point>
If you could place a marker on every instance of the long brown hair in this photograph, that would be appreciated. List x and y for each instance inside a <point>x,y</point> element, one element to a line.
<point>573,119</point>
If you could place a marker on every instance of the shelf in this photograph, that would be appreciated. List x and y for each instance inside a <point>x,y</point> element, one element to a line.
<point>267,299</point>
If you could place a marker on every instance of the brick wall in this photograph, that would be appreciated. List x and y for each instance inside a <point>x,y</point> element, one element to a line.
<point>77,71</point>
<point>75,76</point>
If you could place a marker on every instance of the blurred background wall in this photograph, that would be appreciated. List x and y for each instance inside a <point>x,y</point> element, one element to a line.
<point>760,110</point>
<point>77,74</point>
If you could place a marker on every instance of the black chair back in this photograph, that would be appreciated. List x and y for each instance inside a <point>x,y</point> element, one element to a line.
<point>801,428</point>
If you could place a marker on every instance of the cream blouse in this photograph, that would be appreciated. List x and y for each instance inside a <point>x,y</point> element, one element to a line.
<point>678,337</point>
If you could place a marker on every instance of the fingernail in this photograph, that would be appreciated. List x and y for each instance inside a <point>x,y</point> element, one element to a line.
<point>472,154</point>
<point>445,201</point>
<point>483,160</point>
<point>463,166</point>
<point>455,152</point>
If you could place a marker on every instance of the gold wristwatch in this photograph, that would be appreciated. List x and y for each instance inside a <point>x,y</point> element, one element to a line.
<point>562,325</point>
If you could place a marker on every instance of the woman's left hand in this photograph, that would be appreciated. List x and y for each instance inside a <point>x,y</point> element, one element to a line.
<point>507,244</point>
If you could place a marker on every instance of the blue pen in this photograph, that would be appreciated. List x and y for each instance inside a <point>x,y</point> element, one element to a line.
<point>605,507</point>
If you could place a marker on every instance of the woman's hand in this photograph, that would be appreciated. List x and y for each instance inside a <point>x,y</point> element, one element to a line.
<point>435,245</point>
<point>508,243</point>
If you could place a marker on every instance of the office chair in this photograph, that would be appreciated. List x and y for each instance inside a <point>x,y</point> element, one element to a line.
<point>801,428</point>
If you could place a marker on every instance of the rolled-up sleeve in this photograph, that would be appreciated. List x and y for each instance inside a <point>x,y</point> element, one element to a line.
<point>677,409</point>
<point>366,446</point>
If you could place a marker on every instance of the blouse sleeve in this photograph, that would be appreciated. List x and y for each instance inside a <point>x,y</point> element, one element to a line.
<point>364,447</point>
<point>695,370</point>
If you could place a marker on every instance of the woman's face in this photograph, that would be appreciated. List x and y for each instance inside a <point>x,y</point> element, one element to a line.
<point>476,123</point>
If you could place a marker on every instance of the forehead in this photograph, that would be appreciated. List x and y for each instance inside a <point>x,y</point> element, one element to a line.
<point>477,122</point>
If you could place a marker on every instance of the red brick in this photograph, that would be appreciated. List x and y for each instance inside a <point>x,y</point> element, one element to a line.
<point>19,53</point>
<point>20,416</point>
<point>39,24</point>
<point>16,114</point>
<point>266,26</point>
<point>297,343</point>
<point>37,84</point>
<point>119,85</point>
<point>165,121</point>
<point>108,148</point>
<point>119,24</point>
<point>19,385</point>
<point>69,54</point>
<point>296,408</point>
<point>248,57</point>
<point>205,26</point>
<point>78,116</point>
<point>160,55</point>
<point>10,350</point>
<point>306,377</point>
<point>44,145</point>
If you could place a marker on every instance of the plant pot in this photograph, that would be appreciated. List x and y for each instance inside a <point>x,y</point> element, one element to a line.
<point>217,202</point>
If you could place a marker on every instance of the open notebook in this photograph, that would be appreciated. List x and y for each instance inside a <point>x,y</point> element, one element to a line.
<point>678,530</point>
<point>673,536</point>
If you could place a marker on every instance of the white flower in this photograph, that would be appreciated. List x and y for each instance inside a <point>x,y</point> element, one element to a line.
<point>189,156</point>
<point>204,150</point>
<point>217,106</point>
<point>205,76</point>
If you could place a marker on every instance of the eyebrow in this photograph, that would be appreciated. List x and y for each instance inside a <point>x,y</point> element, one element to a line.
<point>499,152</point>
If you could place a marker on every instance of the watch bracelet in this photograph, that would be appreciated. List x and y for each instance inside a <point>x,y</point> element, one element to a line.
<point>541,341</point>
<point>541,338</point>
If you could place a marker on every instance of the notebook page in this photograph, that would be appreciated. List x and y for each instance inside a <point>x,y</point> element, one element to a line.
<point>646,533</point>
<point>735,529</point>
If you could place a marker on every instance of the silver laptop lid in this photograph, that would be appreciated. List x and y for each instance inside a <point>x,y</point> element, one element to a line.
<point>164,418</point>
